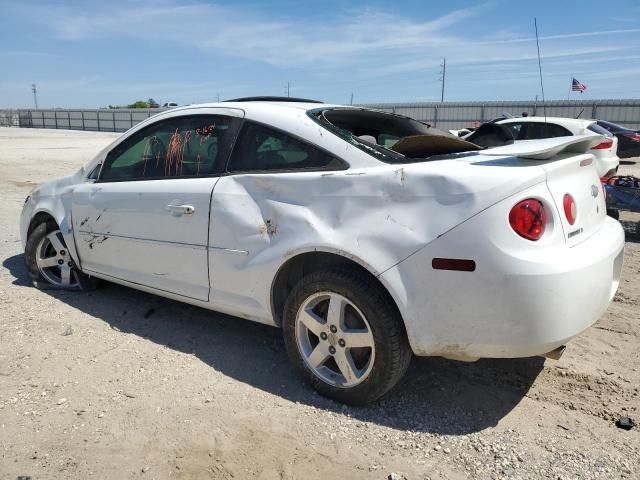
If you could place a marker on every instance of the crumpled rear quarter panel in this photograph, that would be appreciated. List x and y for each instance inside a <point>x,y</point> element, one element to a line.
<point>377,217</point>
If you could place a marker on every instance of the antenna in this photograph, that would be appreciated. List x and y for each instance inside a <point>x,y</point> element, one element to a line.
<point>544,107</point>
<point>443,74</point>
<point>35,94</point>
<point>351,102</point>
<point>288,85</point>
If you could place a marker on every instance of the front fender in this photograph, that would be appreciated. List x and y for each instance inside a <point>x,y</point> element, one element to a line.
<point>53,199</point>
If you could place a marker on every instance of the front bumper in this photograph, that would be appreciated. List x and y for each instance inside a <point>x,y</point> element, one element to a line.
<point>514,304</point>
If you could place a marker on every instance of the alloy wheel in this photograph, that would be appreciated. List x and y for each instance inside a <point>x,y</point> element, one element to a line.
<point>54,262</point>
<point>335,339</point>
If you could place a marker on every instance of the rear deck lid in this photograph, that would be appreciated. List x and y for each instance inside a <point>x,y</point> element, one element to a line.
<point>578,195</point>
<point>572,179</point>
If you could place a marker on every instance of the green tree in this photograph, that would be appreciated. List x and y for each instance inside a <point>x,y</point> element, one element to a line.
<point>139,104</point>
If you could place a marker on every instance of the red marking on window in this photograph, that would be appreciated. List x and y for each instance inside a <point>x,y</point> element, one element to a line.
<point>205,133</point>
<point>175,153</point>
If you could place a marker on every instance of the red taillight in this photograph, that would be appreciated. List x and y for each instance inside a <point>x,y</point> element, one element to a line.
<point>632,136</point>
<point>570,211</point>
<point>608,143</point>
<point>528,219</point>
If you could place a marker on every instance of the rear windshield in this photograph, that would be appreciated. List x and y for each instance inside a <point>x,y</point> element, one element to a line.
<point>388,137</point>
<point>594,127</point>
<point>612,127</point>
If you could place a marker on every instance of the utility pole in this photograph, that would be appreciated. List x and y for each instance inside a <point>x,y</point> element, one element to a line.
<point>218,97</point>
<point>35,94</point>
<point>351,101</point>
<point>443,74</point>
<point>288,85</point>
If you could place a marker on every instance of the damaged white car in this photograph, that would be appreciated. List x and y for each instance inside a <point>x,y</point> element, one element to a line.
<point>368,237</point>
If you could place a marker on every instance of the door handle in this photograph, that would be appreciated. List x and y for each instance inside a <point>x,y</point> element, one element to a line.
<point>180,209</point>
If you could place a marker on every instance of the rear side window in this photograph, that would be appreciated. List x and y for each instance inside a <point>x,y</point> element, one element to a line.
<point>545,130</point>
<point>178,147</point>
<point>595,128</point>
<point>260,148</point>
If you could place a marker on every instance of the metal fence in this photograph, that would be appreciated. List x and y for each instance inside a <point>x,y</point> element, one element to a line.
<point>101,120</point>
<point>448,115</point>
<point>454,115</point>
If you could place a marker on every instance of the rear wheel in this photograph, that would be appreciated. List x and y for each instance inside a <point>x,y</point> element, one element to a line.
<point>344,336</point>
<point>49,263</point>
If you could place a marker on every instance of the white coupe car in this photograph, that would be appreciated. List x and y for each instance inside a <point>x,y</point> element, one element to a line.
<point>366,236</point>
<point>532,128</point>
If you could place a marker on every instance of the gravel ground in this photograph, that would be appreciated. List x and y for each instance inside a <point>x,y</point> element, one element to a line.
<point>122,384</point>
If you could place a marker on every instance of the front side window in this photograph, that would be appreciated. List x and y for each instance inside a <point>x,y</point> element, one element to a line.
<point>260,148</point>
<point>179,147</point>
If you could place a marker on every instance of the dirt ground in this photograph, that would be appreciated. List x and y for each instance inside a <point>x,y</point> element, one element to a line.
<point>122,384</point>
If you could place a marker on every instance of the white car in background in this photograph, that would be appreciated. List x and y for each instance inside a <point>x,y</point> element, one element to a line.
<point>533,128</point>
<point>366,236</point>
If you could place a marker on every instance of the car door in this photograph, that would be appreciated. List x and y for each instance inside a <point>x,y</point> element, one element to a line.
<point>146,217</point>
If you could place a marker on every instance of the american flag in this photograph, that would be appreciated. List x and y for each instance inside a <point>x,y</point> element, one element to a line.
<point>576,86</point>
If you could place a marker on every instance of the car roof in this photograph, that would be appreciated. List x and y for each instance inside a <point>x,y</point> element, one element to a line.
<point>576,122</point>
<point>249,106</point>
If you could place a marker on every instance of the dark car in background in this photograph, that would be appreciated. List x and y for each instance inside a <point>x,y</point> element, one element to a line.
<point>628,139</point>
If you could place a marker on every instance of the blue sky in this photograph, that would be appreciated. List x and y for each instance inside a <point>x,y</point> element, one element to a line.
<point>90,54</point>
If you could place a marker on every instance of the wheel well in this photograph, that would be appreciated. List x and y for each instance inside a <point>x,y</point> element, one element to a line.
<point>305,264</point>
<point>40,217</point>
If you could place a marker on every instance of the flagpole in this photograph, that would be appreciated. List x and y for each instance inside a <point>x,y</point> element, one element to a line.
<point>570,85</point>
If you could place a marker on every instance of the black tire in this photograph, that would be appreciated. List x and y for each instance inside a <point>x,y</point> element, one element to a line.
<point>85,282</point>
<point>392,351</point>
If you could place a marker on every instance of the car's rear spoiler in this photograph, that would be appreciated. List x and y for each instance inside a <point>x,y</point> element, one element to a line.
<point>547,148</point>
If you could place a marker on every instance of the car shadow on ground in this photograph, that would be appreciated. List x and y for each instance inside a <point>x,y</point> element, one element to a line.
<point>436,395</point>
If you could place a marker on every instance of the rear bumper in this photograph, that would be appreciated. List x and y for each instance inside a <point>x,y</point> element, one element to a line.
<point>515,304</point>
<point>629,151</point>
